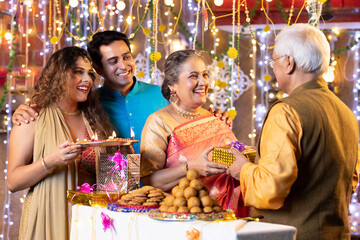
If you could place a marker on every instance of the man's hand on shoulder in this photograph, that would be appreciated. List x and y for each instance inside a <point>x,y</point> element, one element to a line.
<point>24,114</point>
<point>223,116</point>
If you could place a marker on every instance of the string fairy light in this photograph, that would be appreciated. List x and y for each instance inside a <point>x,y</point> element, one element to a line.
<point>355,50</point>
<point>252,134</point>
<point>6,213</point>
<point>155,33</point>
<point>238,47</point>
<point>231,82</point>
<point>291,12</point>
<point>354,206</point>
<point>196,25</point>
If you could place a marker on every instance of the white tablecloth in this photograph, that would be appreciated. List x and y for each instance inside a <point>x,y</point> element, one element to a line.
<point>86,223</point>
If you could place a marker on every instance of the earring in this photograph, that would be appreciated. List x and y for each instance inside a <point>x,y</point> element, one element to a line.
<point>173,97</point>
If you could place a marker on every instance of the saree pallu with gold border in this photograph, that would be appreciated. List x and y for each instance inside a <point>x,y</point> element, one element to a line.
<point>190,139</point>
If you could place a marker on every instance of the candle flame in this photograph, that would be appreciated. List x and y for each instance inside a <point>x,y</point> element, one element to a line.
<point>96,136</point>
<point>132,134</point>
<point>113,135</point>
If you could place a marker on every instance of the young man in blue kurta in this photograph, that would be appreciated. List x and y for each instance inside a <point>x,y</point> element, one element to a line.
<point>127,101</point>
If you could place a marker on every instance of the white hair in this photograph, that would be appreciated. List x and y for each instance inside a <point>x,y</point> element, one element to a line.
<point>307,45</point>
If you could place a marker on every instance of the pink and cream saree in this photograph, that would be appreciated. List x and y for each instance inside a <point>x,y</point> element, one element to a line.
<point>190,139</point>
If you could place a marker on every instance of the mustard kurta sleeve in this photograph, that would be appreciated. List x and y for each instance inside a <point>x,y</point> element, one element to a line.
<point>356,173</point>
<point>266,184</point>
<point>154,141</point>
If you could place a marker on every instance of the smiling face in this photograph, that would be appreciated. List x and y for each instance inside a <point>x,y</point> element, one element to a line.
<point>79,82</point>
<point>118,66</point>
<point>192,85</point>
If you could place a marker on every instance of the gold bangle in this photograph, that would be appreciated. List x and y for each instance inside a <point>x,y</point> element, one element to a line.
<point>44,165</point>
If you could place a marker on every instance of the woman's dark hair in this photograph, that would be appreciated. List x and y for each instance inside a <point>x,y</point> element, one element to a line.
<point>104,38</point>
<point>172,67</point>
<point>52,84</point>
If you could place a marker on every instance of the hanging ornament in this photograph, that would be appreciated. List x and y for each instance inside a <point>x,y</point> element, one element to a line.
<point>232,52</point>
<point>54,40</point>
<point>205,15</point>
<point>220,64</point>
<point>141,74</point>
<point>267,28</point>
<point>155,56</point>
<point>220,83</point>
<point>147,31</point>
<point>314,7</point>
<point>232,113</point>
<point>267,77</point>
<point>74,3</point>
<point>162,27</point>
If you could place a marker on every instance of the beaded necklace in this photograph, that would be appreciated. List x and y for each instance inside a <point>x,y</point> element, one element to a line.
<point>186,114</point>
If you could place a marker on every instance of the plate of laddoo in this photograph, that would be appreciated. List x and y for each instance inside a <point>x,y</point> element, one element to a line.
<point>189,200</point>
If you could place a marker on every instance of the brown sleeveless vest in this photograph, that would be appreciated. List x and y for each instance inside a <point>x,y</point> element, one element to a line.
<point>317,204</point>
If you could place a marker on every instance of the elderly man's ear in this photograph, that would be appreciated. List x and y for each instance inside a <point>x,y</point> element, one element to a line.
<point>290,64</point>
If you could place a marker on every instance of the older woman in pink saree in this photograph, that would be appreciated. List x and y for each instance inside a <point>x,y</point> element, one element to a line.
<point>182,135</point>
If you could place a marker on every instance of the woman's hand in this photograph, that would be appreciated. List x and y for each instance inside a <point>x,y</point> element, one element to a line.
<point>206,167</point>
<point>127,150</point>
<point>63,155</point>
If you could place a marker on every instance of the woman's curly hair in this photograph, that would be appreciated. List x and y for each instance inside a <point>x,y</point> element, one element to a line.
<point>49,89</point>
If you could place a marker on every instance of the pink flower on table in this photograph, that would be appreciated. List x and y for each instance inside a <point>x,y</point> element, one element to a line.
<point>106,221</point>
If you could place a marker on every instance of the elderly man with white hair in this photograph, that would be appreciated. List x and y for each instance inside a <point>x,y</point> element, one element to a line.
<point>307,164</point>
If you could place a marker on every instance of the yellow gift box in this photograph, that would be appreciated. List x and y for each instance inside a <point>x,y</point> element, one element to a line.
<point>95,199</point>
<point>225,156</point>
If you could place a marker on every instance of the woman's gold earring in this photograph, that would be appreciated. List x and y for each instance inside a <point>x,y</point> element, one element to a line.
<point>173,97</point>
